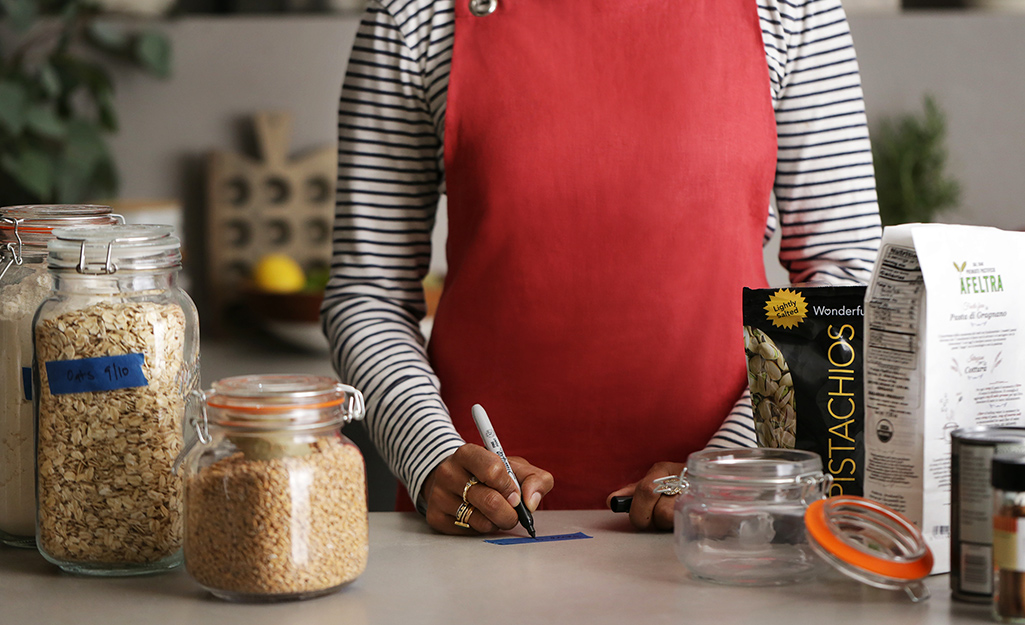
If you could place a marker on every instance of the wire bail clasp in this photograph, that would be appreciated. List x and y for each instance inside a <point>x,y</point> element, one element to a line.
<point>201,424</point>
<point>16,253</point>
<point>108,266</point>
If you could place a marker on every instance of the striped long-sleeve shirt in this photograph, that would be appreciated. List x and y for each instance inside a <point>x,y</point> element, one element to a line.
<point>391,130</point>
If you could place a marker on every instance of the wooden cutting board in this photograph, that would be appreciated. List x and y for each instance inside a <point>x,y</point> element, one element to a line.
<point>273,203</point>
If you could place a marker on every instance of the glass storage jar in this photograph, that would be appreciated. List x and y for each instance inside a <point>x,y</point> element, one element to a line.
<point>739,517</point>
<point>275,494</point>
<point>117,352</point>
<point>1008,481</point>
<point>24,284</point>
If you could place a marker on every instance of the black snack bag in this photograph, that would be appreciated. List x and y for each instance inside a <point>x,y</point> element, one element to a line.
<point>804,368</point>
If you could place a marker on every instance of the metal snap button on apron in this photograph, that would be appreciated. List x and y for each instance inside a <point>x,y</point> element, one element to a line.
<point>480,8</point>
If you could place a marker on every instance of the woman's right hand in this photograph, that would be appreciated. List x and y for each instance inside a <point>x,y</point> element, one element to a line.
<point>492,497</point>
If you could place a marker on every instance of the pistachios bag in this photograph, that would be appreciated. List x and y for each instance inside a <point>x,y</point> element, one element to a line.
<point>804,365</point>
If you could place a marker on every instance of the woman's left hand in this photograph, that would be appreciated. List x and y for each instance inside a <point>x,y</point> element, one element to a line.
<point>650,510</point>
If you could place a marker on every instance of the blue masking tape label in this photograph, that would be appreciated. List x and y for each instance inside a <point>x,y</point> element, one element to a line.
<point>540,539</point>
<point>26,382</point>
<point>85,375</point>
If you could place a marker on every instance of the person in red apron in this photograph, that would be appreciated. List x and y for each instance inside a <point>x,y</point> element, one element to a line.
<point>608,167</point>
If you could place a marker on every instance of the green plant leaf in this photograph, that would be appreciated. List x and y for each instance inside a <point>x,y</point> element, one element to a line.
<point>72,181</point>
<point>108,36</point>
<point>49,80</point>
<point>84,150</point>
<point>32,169</point>
<point>84,143</point>
<point>153,53</point>
<point>44,122</point>
<point>106,111</point>
<point>13,103</point>
<point>23,13</point>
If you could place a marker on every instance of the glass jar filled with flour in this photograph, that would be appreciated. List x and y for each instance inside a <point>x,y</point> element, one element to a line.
<point>117,353</point>
<point>24,284</point>
<point>271,455</point>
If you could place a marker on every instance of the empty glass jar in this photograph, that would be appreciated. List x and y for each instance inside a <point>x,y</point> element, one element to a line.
<point>739,517</point>
<point>275,495</point>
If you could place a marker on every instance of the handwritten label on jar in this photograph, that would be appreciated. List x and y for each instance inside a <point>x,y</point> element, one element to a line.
<point>106,373</point>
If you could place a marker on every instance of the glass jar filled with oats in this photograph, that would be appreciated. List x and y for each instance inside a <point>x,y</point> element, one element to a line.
<point>117,353</point>
<point>24,284</point>
<point>275,494</point>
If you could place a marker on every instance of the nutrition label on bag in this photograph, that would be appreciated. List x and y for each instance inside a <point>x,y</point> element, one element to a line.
<point>896,297</point>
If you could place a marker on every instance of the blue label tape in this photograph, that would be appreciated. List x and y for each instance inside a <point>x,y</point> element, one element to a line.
<point>85,375</point>
<point>26,382</point>
<point>540,539</point>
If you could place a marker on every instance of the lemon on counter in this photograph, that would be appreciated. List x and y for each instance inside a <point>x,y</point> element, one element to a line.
<point>279,273</point>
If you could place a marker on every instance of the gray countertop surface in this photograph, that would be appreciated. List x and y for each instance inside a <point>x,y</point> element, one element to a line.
<point>417,576</point>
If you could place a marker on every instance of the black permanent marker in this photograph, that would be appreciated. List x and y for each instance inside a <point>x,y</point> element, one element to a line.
<point>487,433</point>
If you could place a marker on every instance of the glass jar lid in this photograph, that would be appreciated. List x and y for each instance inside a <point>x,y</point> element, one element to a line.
<point>35,222</point>
<point>27,229</point>
<point>267,402</point>
<point>116,248</point>
<point>871,543</point>
<point>762,465</point>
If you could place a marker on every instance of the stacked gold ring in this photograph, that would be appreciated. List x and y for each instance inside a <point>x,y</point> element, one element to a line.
<point>466,489</point>
<point>463,515</point>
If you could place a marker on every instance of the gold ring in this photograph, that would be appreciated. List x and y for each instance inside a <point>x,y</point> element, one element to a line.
<point>463,514</point>
<point>470,482</point>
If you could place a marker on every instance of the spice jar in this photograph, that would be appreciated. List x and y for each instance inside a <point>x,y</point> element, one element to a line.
<point>739,518</point>
<point>275,495</point>
<point>117,347</point>
<point>1008,479</point>
<point>24,284</point>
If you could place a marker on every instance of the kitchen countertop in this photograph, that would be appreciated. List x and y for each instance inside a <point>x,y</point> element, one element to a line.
<point>417,576</point>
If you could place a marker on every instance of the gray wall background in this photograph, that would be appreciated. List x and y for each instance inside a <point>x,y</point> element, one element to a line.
<point>229,67</point>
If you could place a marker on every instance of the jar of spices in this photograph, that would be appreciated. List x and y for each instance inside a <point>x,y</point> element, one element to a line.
<point>1008,479</point>
<point>275,494</point>
<point>24,284</point>
<point>117,352</point>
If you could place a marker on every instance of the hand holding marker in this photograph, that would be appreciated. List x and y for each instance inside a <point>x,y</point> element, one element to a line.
<point>487,433</point>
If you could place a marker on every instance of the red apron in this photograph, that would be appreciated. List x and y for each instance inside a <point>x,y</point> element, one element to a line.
<point>609,166</point>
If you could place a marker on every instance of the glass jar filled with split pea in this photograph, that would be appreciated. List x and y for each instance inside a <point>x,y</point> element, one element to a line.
<point>275,494</point>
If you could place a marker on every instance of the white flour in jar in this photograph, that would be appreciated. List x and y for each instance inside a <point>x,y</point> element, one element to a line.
<point>18,304</point>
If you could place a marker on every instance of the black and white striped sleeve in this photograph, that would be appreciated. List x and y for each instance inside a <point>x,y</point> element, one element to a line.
<point>389,144</point>
<point>825,184</point>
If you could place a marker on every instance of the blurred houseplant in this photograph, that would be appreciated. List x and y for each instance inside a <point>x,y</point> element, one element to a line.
<point>910,158</point>
<point>57,92</point>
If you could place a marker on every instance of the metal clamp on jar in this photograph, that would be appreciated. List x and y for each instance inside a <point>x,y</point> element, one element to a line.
<point>275,495</point>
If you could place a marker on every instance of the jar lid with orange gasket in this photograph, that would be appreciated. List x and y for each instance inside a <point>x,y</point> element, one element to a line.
<point>271,401</point>
<point>871,543</point>
<point>262,414</point>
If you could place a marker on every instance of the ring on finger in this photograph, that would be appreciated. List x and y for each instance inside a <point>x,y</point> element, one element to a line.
<point>470,482</point>
<point>463,514</point>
